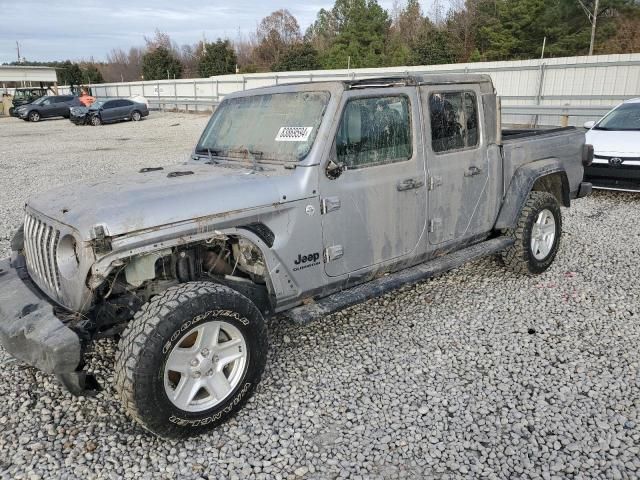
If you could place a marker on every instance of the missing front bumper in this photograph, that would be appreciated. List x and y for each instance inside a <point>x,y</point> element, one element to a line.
<point>30,331</point>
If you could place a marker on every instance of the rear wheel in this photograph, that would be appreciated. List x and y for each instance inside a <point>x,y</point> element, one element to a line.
<point>95,121</point>
<point>537,235</point>
<point>34,116</point>
<point>136,116</point>
<point>190,359</point>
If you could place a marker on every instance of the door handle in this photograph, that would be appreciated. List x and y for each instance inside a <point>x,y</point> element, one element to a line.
<point>409,183</point>
<point>472,171</point>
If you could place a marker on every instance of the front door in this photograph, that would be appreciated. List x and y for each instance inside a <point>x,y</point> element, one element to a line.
<point>459,166</point>
<point>374,210</point>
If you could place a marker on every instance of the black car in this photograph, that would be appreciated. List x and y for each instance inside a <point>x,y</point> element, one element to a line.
<point>109,111</point>
<point>47,107</point>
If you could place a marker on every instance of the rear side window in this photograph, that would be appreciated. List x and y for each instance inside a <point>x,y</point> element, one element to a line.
<point>454,121</point>
<point>374,131</point>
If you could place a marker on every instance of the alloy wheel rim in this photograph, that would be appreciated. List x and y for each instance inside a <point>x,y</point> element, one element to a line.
<point>205,366</point>
<point>543,234</point>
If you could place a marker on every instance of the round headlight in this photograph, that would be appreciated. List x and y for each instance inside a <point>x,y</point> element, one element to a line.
<point>67,256</point>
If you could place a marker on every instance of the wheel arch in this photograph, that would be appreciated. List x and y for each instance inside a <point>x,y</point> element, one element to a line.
<point>547,175</point>
<point>257,235</point>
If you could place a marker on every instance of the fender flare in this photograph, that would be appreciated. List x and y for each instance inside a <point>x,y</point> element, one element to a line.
<point>522,183</point>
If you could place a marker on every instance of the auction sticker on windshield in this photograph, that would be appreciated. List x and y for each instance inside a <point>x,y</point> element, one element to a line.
<point>293,134</point>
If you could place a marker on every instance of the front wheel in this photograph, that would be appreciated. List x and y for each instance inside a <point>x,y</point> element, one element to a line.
<point>95,121</point>
<point>537,235</point>
<point>190,359</point>
<point>34,116</point>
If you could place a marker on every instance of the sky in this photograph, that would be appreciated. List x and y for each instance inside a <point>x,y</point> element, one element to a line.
<point>83,29</point>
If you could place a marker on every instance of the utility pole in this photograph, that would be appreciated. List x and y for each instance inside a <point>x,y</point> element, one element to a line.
<point>593,18</point>
<point>18,49</point>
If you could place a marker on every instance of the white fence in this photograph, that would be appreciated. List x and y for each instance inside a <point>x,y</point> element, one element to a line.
<point>532,91</point>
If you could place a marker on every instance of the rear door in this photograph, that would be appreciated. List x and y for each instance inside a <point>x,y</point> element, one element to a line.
<point>458,165</point>
<point>124,110</point>
<point>62,105</point>
<point>374,211</point>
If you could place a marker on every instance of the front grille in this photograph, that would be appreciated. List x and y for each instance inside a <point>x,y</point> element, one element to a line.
<point>41,246</point>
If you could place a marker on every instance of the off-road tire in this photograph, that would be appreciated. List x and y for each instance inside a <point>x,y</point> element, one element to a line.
<point>519,257</point>
<point>136,116</point>
<point>159,325</point>
<point>34,116</point>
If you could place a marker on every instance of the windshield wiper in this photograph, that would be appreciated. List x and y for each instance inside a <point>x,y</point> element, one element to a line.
<point>253,154</point>
<point>210,153</point>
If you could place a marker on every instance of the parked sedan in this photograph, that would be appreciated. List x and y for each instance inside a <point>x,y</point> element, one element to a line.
<point>47,107</point>
<point>616,143</point>
<point>109,111</point>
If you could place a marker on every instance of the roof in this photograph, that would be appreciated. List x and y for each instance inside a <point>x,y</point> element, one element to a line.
<point>632,100</point>
<point>427,79</point>
<point>24,73</point>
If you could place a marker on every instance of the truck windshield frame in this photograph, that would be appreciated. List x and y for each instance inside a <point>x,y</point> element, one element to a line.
<point>269,127</point>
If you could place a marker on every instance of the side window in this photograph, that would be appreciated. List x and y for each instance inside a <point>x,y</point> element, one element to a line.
<point>454,121</point>
<point>126,103</point>
<point>374,131</point>
<point>109,105</point>
<point>48,101</point>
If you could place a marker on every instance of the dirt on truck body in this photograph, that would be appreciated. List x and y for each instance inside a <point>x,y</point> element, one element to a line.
<point>298,200</point>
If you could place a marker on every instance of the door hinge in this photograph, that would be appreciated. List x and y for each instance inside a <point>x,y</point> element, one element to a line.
<point>434,223</point>
<point>333,253</point>
<point>434,182</point>
<point>329,204</point>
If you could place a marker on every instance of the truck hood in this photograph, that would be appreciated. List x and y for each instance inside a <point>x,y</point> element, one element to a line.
<point>141,200</point>
<point>615,142</point>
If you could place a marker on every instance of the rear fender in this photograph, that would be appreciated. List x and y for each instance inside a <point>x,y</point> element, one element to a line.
<point>546,175</point>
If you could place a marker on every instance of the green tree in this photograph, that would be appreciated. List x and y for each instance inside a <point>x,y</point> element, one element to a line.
<point>301,56</point>
<point>69,73</point>
<point>218,58</point>
<point>362,27</point>
<point>435,46</point>
<point>91,74</point>
<point>159,63</point>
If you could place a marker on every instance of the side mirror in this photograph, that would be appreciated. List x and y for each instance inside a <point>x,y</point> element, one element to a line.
<point>334,169</point>
<point>589,125</point>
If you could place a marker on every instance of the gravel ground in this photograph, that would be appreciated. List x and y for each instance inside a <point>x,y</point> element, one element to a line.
<point>475,373</point>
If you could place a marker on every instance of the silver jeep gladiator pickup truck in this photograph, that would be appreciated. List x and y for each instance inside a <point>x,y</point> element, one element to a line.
<point>299,200</point>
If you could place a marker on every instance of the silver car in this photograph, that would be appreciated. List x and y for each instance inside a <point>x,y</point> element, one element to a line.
<point>298,201</point>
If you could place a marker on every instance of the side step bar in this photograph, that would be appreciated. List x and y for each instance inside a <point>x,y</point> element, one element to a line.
<point>346,298</point>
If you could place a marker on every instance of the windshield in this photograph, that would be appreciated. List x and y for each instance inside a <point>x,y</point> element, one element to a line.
<point>271,127</point>
<point>625,117</point>
<point>26,93</point>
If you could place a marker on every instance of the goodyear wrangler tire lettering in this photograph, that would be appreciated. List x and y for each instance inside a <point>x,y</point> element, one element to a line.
<point>162,324</point>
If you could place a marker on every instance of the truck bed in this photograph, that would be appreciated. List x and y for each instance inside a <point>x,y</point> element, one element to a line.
<point>523,146</point>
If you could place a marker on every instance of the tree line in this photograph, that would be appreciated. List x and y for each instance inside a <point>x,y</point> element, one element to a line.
<point>360,33</point>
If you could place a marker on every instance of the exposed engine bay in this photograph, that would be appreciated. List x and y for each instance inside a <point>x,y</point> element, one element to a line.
<point>232,261</point>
